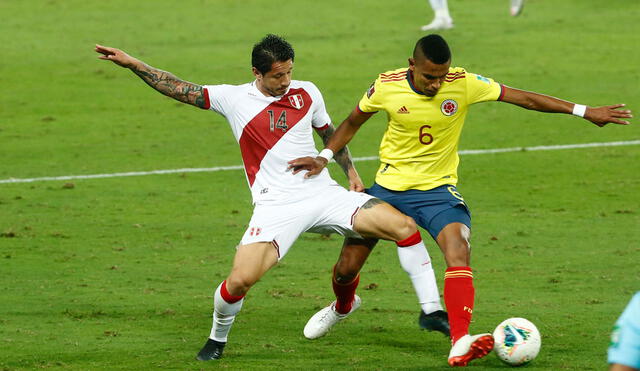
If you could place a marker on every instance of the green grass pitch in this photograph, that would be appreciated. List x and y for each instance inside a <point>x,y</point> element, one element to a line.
<point>118,273</point>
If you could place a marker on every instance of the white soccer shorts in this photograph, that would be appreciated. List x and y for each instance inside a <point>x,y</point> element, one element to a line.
<point>330,209</point>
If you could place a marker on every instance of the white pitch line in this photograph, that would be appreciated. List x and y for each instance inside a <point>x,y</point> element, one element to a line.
<point>369,158</point>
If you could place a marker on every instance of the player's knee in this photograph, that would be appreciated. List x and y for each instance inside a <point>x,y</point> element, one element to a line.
<point>406,228</point>
<point>238,285</point>
<point>345,278</point>
<point>457,253</point>
<point>347,269</point>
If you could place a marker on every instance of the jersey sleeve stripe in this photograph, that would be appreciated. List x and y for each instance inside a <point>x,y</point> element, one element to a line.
<point>449,79</point>
<point>207,103</point>
<point>324,127</point>
<point>394,79</point>
<point>387,75</point>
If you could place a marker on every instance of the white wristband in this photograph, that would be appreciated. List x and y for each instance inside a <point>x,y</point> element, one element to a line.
<point>326,154</point>
<point>579,110</point>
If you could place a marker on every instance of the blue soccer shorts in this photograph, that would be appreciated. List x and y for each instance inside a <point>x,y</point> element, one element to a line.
<point>432,209</point>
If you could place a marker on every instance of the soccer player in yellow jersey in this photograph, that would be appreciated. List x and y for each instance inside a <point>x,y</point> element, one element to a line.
<point>426,104</point>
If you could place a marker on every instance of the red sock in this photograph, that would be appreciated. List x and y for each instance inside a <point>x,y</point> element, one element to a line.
<point>345,293</point>
<point>458,297</point>
<point>410,241</point>
<point>228,297</point>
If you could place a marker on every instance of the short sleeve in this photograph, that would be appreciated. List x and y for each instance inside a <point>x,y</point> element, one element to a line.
<point>482,89</point>
<point>370,101</point>
<point>217,98</point>
<point>625,339</point>
<point>321,118</point>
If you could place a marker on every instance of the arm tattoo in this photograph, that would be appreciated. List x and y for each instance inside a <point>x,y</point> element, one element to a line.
<point>171,86</point>
<point>342,157</point>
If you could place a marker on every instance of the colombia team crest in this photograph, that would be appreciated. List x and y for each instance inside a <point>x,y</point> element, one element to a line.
<point>449,107</point>
<point>296,101</point>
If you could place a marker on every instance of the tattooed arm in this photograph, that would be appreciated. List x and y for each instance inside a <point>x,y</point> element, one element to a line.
<point>162,81</point>
<point>343,158</point>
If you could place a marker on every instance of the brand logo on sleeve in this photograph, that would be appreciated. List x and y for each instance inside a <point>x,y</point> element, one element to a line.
<point>449,107</point>
<point>483,79</point>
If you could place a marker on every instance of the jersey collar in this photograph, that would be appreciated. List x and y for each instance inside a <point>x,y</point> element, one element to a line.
<point>410,80</point>
<point>254,85</point>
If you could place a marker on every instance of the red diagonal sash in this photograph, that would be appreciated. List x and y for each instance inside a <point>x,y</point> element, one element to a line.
<point>258,136</point>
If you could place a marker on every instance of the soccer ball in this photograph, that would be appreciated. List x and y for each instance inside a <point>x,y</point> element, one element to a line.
<point>517,341</point>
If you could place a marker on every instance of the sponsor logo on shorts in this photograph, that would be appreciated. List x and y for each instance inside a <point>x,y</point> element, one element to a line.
<point>255,231</point>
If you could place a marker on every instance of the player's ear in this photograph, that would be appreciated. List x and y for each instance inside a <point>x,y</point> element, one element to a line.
<point>412,63</point>
<point>256,73</point>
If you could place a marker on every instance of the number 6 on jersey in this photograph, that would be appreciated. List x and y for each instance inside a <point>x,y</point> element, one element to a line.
<point>425,138</point>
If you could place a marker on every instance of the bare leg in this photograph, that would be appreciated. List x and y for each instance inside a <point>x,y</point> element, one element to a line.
<point>378,219</point>
<point>250,263</point>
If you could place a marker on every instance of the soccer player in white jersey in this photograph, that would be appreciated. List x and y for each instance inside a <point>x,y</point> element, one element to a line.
<point>442,19</point>
<point>272,119</point>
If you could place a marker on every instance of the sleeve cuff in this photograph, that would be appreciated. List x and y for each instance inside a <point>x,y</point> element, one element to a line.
<point>207,102</point>
<point>501,92</point>
<point>361,111</point>
<point>323,127</point>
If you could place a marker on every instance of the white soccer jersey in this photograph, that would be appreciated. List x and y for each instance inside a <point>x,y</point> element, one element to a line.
<point>272,131</point>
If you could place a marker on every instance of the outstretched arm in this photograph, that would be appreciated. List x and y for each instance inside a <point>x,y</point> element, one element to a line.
<point>164,82</point>
<point>336,142</point>
<point>343,158</point>
<point>598,115</point>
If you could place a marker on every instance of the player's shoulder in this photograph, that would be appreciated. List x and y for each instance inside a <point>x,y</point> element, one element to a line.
<point>308,86</point>
<point>390,76</point>
<point>229,89</point>
<point>303,84</point>
<point>634,304</point>
<point>456,74</point>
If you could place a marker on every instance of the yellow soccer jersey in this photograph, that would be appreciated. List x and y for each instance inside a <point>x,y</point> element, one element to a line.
<point>419,149</point>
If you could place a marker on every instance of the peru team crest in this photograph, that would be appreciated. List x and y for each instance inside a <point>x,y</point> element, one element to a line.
<point>449,107</point>
<point>296,101</point>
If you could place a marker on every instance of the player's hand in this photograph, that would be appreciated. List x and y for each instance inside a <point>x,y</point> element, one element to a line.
<point>356,185</point>
<point>608,114</point>
<point>116,56</point>
<point>313,165</point>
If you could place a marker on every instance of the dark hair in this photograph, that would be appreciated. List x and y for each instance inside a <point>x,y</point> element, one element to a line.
<point>270,49</point>
<point>434,48</point>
